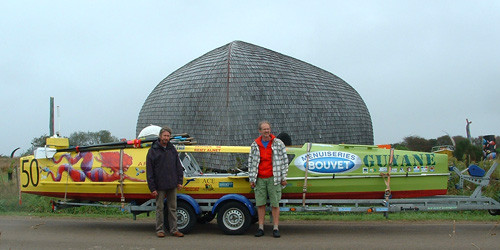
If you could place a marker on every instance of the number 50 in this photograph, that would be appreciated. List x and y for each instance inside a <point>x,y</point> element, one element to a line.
<point>30,174</point>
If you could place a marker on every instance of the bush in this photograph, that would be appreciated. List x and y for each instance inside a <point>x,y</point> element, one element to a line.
<point>467,152</point>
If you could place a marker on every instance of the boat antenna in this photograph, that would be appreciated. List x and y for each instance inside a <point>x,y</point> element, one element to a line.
<point>451,138</point>
<point>58,133</point>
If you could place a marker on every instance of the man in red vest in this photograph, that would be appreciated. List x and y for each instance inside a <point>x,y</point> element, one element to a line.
<point>267,169</point>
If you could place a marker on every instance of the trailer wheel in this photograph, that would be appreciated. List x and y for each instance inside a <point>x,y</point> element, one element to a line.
<point>234,218</point>
<point>494,211</point>
<point>186,217</point>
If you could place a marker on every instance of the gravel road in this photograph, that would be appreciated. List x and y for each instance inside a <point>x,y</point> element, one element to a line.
<point>24,232</point>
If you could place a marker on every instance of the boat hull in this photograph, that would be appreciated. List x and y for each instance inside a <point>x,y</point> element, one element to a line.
<point>95,175</point>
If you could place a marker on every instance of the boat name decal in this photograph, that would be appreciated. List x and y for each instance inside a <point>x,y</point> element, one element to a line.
<point>208,149</point>
<point>325,162</point>
<point>188,181</point>
<point>190,188</point>
<point>223,184</point>
<point>405,160</point>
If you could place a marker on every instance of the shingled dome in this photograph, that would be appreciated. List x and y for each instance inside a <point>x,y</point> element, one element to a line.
<point>221,96</point>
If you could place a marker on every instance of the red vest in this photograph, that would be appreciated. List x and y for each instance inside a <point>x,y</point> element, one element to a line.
<point>266,158</point>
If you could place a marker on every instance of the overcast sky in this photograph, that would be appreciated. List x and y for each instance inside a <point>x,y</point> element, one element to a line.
<point>422,67</point>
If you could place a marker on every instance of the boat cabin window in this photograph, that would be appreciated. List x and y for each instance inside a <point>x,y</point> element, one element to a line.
<point>191,167</point>
<point>225,163</point>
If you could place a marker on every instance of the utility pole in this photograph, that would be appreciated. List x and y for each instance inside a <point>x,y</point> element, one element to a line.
<point>467,130</point>
<point>51,122</point>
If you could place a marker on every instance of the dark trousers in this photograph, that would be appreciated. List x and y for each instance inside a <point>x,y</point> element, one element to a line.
<point>171,195</point>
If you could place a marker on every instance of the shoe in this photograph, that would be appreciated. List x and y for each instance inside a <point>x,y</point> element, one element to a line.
<point>160,234</point>
<point>276,233</point>
<point>178,234</point>
<point>259,233</point>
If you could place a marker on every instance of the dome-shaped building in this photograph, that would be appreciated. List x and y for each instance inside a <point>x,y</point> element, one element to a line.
<point>220,97</point>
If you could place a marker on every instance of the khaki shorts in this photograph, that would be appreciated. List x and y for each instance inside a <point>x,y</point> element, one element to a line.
<point>263,189</point>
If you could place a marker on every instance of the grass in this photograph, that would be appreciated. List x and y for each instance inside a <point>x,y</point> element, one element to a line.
<point>10,204</point>
<point>40,206</point>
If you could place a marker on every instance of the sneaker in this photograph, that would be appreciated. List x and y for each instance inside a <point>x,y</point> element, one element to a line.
<point>160,234</point>
<point>259,233</point>
<point>178,234</point>
<point>276,233</point>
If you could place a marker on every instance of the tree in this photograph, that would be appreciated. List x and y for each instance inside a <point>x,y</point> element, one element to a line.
<point>458,138</point>
<point>399,146</point>
<point>76,139</point>
<point>417,143</point>
<point>443,140</point>
<point>35,143</point>
<point>465,149</point>
<point>91,138</point>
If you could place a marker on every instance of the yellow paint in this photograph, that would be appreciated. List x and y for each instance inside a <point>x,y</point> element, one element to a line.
<point>35,174</point>
<point>57,142</point>
<point>213,149</point>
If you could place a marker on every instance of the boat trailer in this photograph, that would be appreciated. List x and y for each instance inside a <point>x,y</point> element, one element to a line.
<point>235,213</point>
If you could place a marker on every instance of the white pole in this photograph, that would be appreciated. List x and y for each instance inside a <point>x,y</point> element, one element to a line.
<point>58,122</point>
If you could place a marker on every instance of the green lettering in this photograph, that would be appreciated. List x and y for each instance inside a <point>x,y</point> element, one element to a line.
<point>418,160</point>
<point>430,159</point>
<point>379,160</point>
<point>406,161</point>
<point>367,162</point>
<point>395,160</point>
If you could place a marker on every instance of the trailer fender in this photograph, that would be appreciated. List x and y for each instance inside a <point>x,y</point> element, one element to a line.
<point>191,202</point>
<point>235,197</point>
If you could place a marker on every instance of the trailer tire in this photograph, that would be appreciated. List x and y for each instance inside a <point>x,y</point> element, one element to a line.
<point>186,217</point>
<point>234,218</point>
<point>494,211</point>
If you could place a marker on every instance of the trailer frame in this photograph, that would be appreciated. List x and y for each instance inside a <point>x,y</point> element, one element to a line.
<point>235,212</point>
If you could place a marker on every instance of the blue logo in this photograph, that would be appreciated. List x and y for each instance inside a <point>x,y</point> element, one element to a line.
<point>225,184</point>
<point>329,162</point>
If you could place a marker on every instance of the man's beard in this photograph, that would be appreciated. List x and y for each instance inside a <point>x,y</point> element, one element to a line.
<point>164,141</point>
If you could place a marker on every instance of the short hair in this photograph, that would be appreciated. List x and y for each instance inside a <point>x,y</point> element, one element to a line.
<point>165,128</point>
<point>263,122</point>
<point>285,138</point>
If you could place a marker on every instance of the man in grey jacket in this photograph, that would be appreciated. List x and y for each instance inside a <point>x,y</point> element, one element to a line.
<point>165,175</point>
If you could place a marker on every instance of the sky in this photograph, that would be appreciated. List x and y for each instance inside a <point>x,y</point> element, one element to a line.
<point>421,67</point>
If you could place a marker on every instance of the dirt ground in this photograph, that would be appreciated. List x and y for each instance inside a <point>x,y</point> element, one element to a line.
<point>24,232</point>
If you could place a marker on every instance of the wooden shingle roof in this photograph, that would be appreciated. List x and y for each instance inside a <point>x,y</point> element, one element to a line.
<point>220,97</point>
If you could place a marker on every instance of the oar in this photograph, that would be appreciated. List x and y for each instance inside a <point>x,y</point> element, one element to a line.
<point>46,152</point>
<point>135,142</point>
